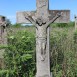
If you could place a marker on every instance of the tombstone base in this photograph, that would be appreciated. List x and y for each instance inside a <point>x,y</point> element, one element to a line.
<point>44,76</point>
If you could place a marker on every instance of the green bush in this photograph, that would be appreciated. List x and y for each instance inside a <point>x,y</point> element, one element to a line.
<point>19,56</point>
<point>3,73</point>
<point>63,52</point>
<point>8,73</point>
<point>20,53</point>
<point>63,25</point>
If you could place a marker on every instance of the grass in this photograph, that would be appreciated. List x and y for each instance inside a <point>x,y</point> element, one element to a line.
<point>63,49</point>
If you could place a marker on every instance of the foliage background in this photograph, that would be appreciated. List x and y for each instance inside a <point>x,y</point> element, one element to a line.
<point>20,56</point>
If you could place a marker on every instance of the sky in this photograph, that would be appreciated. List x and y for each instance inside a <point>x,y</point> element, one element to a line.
<point>9,8</point>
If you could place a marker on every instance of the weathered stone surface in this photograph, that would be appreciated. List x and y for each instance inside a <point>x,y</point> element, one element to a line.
<point>41,18</point>
<point>42,9</point>
<point>2,29</point>
<point>21,19</point>
<point>75,22</point>
<point>43,60</point>
<point>44,76</point>
<point>65,18</point>
<point>3,39</point>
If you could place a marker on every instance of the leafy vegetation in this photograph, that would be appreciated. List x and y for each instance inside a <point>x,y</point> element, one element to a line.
<point>20,53</point>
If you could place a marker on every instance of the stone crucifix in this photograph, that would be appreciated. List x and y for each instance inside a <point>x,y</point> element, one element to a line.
<point>2,28</point>
<point>3,39</point>
<point>42,18</point>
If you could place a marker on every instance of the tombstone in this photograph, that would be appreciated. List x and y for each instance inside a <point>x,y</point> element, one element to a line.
<point>3,40</point>
<point>2,29</point>
<point>75,22</point>
<point>41,18</point>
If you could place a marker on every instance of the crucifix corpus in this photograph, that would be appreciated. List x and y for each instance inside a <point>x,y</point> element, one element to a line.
<point>42,18</point>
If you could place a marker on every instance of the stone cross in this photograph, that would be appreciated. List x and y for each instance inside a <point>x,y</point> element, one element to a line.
<point>41,18</point>
<point>75,22</point>
<point>2,28</point>
<point>2,39</point>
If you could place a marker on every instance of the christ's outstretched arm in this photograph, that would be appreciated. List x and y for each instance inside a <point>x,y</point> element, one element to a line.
<point>52,20</point>
<point>29,18</point>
